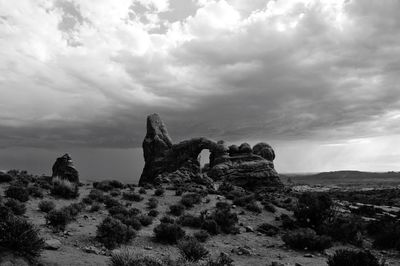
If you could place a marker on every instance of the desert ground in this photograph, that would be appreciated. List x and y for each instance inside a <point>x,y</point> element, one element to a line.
<point>248,247</point>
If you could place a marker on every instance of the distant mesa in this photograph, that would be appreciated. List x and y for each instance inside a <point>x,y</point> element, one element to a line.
<point>241,165</point>
<point>64,169</point>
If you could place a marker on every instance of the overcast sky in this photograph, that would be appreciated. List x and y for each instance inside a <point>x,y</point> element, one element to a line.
<point>319,80</point>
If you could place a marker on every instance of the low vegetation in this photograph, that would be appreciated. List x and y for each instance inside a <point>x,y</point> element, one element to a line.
<point>112,233</point>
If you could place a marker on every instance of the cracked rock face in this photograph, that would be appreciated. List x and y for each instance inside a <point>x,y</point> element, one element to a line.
<point>64,169</point>
<point>166,162</point>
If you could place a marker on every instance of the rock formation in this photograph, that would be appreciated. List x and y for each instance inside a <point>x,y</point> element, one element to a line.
<point>64,169</point>
<point>167,162</point>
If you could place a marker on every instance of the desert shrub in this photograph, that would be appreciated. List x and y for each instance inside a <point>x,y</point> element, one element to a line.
<point>119,209</point>
<point>306,238</point>
<point>95,207</point>
<point>74,209</point>
<point>96,195</point>
<point>132,196</point>
<point>346,257</point>
<point>35,192</point>
<point>191,249</point>
<point>110,202</point>
<point>167,219</point>
<point>46,206</point>
<point>268,229</point>
<point>115,192</point>
<point>145,220</point>
<point>87,200</point>
<point>128,258</point>
<point>312,209</point>
<point>17,207</point>
<point>159,192</point>
<point>225,187</point>
<point>20,236</point>
<point>130,220</point>
<point>5,178</point>
<point>287,222</point>
<point>142,190</point>
<point>201,235</point>
<point>117,184</point>
<point>177,209</point>
<point>190,221</point>
<point>17,192</point>
<point>190,199</point>
<point>152,203</point>
<point>153,213</point>
<point>223,205</point>
<point>168,233</point>
<point>345,229</point>
<point>112,232</point>
<point>253,206</point>
<point>244,200</point>
<point>269,207</point>
<point>179,191</point>
<point>64,189</point>
<point>103,185</point>
<point>58,219</point>
<point>211,226</point>
<point>225,219</point>
<point>385,233</point>
<point>222,260</point>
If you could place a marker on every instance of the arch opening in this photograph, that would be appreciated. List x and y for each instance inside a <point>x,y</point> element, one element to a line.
<point>204,160</point>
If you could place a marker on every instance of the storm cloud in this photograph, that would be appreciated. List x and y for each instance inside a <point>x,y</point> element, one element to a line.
<point>83,74</point>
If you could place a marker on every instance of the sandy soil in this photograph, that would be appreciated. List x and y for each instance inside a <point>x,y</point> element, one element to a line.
<point>264,249</point>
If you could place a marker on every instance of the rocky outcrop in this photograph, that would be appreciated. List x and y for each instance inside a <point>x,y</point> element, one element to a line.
<point>241,165</point>
<point>64,169</point>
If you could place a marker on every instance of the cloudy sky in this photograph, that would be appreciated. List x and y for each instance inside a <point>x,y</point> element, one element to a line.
<point>319,80</point>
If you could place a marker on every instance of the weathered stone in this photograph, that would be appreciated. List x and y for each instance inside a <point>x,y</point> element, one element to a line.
<point>178,163</point>
<point>64,169</point>
<point>52,244</point>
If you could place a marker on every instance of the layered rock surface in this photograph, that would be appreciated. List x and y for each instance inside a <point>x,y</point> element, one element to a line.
<point>64,169</point>
<point>240,165</point>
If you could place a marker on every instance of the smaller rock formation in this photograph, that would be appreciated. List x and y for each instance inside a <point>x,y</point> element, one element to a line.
<point>64,169</point>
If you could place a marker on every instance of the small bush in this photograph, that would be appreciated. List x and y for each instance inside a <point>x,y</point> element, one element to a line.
<point>87,201</point>
<point>142,190</point>
<point>268,229</point>
<point>202,235</point>
<point>306,238</point>
<point>108,185</point>
<point>58,219</point>
<point>191,249</point>
<point>167,219</point>
<point>20,236</point>
<point>253,206</point>
<point>345,229</point>
<point>96,195</point>
<point>115,192</point>
<point>112,232</point>
<point>244,200</point>
<point>17,192</point>
<point>222,260</point>
<point>130,220</point>
<point>153,213</point>
<point>179,192</point>
<point>5,178</point>
<point>223,205</point>
<point>211,226</point>
<point>190,221</point>
<point>385,232</point>
<point>168,233</point>
<point>74,209</point>
<point>95,207</point>
<point>145,220</point>
<point>287,222</point>
<point>345,257</point>
<point>46,206</point>
<point>110,202</point>
<point>17,207</point>
<point>119,209</point>
<point>177,209</point>
<point>152,203</point>
<point>132,196</point>
<point>64,189</point>
<point>225,219</point>
<point>35,192</point>
<point>312,209</point>
<point>159,192</point>
<point>128,258</point>
<point>190,199</point>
